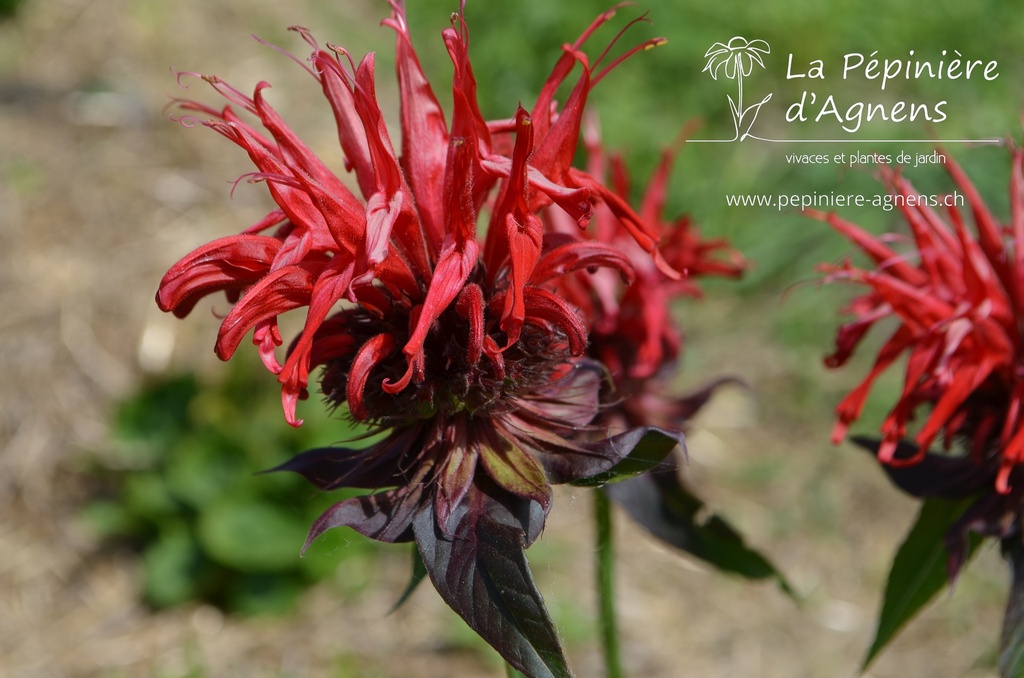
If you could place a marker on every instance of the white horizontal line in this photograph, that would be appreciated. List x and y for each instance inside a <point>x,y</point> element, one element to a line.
<point>850,141</point>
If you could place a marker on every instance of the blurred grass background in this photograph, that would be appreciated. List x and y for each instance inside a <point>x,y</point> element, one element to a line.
<point>117,420</point>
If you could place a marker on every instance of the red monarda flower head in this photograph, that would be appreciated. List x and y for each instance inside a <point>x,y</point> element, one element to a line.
<point>454,344</point>
<point>413,233</point>
<point>957,300</point>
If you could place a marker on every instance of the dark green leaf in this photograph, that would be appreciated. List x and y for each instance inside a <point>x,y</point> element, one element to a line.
<point>919,570</point>
<point>173,566</point>
<point>264,594</point>
<point>635,451</point>
<point>250,536</point>
<point>147,496</point>
<point>665,507</point>
<point>202,467</point>
<point>111,518</point>
<point>159,413</point>
<point>480,570</point>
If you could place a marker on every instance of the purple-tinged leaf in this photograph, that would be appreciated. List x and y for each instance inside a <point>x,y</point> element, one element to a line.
<point>1011,643</point>
<point>660,503</point>
<point>457,470</point>
<point>385,516</point>
<point>918,571</point>
<point>479,567</point>
<point>687,406</point>
<point>936,475</point>
<point>623,456</point>
<point>573,400</point>
<point>374,467</point>
<point>986,517</point>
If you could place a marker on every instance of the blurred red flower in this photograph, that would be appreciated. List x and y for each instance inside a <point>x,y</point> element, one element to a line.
<point>956,301</point>
<point>634,333</point>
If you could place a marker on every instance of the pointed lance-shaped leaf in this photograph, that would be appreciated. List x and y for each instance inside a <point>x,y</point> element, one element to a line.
<point>660,503</point>
<point>373,468</point>
<point>480,570</point>
<point>918,571</point>
<point>385,516</point>
<point>631,453</point>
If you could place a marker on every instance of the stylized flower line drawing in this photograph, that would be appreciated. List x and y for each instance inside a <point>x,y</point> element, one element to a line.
<point>736,60</point>
<point>738,56</point>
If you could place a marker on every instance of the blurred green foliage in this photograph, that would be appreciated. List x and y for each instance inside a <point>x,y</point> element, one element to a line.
<point>8,8</point>
<point>180,485</point>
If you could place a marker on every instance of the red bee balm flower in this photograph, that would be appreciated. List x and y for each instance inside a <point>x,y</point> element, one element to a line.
<point>958,302</point>
<point>634,333</point>
<point>956,299</point>
<point>460,350</point>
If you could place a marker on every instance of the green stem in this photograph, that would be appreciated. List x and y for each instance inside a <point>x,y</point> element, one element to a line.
<point>510,672</point>
<point>606,585</point>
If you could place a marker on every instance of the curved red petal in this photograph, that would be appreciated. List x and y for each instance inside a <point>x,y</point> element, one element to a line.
<point>227,264</point>
<point>280,291</point>
<point>369,356</point>
<point>547,307</point>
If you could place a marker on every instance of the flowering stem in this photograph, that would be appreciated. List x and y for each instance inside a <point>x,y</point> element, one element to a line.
<point>739,95</point>
<point>605,585</point>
